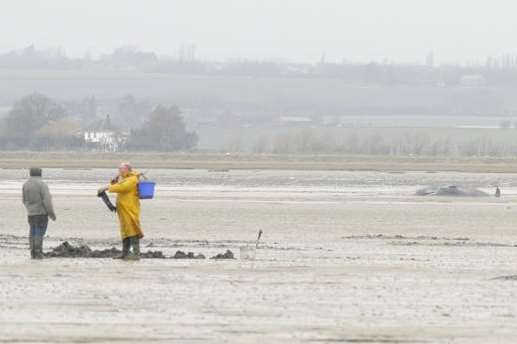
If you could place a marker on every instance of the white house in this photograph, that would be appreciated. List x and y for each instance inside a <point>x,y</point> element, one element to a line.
<point>103,136</point>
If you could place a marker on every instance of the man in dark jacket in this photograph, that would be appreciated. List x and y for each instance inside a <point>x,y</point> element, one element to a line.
<point>38,201</point>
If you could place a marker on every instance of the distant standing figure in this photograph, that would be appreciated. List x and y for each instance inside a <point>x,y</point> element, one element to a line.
<point>497,192</point>
<point>38,202</point>
<point>128,210</point>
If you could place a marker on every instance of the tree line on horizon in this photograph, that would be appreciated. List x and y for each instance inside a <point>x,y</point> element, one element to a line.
<point>37,122</point>
<point>495,71</point>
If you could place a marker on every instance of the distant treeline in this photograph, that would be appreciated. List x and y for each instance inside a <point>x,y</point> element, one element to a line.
<point>255,92</point>
<point>438,142</point>
<point>37,122</point>
<point>492,72</point>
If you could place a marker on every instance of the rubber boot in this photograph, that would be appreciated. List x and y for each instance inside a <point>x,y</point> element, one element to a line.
<point>38,247</point>
<point>135,243</point>
<point>126,244</point>
<point>31,245</point>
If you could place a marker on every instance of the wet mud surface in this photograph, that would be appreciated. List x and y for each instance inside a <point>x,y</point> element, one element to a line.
<point>421,240</point>
<point>361,279</point>
<point>401,237</point>
<point>506,278</point>
<point>345,258</point>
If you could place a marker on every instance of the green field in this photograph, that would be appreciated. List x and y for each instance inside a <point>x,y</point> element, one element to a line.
<point>398,141</point>
<point>223,162</point>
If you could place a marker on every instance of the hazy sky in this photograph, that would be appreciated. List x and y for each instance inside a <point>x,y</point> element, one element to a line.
<point>297,30</point>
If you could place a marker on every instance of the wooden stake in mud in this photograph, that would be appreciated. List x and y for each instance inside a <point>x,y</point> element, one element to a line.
<point>249,252</point>
<point>258,238</point>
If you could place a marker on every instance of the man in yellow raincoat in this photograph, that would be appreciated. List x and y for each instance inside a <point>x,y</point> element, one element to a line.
<point>128,210</point>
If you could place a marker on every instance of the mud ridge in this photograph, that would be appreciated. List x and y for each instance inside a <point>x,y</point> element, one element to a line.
<point>67,250</point>
<point>363,340</point>
<point>505,278</point>
<point>401,237</point>
<point>453,244</point>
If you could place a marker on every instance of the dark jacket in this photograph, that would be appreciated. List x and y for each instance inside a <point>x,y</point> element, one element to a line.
<point>37,198</point>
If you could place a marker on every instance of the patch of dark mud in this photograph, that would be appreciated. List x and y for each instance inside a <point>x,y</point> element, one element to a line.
<point>402,237</point>
<point>505,278</point>
<point>67,250</point>
<point>189,255</point>
<point>227,255</point>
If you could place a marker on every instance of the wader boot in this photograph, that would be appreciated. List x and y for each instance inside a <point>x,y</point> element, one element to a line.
<point>126,244</point>
<point>38,228</point>
<point>31,245</point>
<point>135,243</point>
<point>38,247</point>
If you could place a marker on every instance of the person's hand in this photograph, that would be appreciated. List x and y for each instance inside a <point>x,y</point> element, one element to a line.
<point>102,189</point>
<point>52,217</point>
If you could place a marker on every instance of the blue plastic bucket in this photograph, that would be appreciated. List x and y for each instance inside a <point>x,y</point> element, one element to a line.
<point>146,189</point>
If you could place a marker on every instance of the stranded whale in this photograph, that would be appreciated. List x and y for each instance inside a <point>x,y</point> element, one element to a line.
<point>451,190</point>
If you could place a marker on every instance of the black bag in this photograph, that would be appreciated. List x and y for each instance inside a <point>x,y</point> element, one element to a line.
<point>104,196</point>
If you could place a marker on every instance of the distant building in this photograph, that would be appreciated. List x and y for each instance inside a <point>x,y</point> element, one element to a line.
<point>102,136</point>
<point>429,60</point>
<point>473,80</point>
<point>295,120</point>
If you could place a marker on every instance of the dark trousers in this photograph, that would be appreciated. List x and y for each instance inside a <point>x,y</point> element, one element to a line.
<point>38,225</point>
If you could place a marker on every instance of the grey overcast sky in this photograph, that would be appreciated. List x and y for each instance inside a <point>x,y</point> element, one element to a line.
<point>295,30</point>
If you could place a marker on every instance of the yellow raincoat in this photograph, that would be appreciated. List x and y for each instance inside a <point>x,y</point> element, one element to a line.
<point>128,205</point>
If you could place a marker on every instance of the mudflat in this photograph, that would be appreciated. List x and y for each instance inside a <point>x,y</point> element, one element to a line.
<point>229,161</point>
<point>347,257</point>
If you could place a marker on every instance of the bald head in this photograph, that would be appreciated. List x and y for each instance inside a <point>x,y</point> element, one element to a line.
<point>124,169</point>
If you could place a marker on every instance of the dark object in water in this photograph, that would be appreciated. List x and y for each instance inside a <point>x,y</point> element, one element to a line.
<point>104,196</point>
<point>190,255</point>
<point>497,192</point>
<point>227,255</point>
<point>451,190</point>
